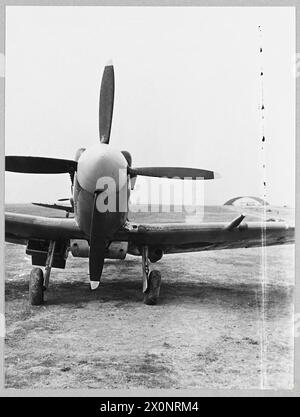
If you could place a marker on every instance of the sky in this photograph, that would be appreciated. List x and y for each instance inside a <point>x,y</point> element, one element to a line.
<point>188,93</point>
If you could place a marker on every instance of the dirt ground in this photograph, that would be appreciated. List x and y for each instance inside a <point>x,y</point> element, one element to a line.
<point>211,328</point>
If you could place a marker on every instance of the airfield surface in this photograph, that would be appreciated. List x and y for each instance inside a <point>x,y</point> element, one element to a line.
<point>211,328</point>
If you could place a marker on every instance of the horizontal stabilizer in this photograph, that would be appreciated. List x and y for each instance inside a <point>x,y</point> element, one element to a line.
<point>39,165</point>
<point>68,209</point>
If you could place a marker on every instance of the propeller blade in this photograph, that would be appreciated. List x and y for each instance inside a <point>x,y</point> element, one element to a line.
<point>97,246</point>
<point>127,156</point>
<point>39,165</point>
<point>96,260</point>
<point>173,172</point>
<point>106,104</point>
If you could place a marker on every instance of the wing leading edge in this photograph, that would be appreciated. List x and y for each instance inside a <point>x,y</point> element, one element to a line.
<point>22,227</point>
<point>170,237</point>
<point>175,238</point>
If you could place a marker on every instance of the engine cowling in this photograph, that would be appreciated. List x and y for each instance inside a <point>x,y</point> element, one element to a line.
<point>81,249</point>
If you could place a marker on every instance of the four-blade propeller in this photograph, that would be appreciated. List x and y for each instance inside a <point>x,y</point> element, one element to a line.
<point>100,235</point>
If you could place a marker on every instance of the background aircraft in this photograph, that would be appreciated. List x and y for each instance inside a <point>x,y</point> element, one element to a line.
<point>100,234</point>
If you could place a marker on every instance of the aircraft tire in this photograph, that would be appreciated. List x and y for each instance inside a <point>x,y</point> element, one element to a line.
<point>152,293</point>
<point>36,287</point>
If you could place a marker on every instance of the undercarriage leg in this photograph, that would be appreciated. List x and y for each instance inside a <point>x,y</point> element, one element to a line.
<point>38,281</point>
<point>145,263</point>
<point>49,262</point>
<point>151,280</point>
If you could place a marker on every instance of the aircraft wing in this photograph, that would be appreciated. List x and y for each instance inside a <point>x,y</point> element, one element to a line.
<point>21,227</point>
<point>170,237</point>
<point>180,237</point>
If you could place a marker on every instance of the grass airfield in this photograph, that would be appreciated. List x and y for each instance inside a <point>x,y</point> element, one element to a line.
<point>211,329</point>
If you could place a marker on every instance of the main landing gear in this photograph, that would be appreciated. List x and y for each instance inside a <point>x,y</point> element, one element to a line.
<point>151,280</point>
<point>38,281</point>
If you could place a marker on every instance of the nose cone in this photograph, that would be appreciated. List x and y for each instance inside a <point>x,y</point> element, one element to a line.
<point>101,161</point>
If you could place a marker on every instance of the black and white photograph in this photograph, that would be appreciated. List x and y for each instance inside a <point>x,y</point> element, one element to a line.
<point>149,198</point>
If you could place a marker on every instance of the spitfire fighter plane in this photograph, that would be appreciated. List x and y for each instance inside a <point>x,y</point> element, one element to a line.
<point>99,234</point>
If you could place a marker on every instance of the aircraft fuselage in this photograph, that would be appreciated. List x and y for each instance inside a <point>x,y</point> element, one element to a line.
<point>101,180</point>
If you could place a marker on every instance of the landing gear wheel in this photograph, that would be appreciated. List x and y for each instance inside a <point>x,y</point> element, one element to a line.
<point>152,293</point>
<point>36,287</point>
